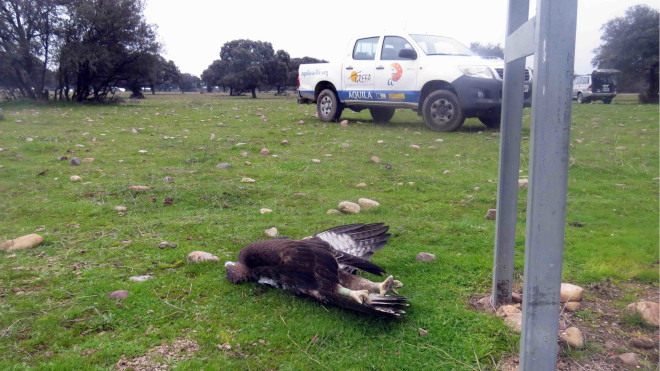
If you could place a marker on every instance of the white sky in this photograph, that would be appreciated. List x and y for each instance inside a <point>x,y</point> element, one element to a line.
<point>193,31</point>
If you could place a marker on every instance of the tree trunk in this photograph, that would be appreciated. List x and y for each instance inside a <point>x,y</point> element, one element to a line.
<point>153,89</point>
<point>254,93</point>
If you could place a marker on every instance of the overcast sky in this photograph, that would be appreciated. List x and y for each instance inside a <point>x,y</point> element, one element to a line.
<point>193,31</point>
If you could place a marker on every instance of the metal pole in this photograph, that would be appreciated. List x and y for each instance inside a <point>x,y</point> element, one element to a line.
<point>507,188</point>
<point>546,201</point>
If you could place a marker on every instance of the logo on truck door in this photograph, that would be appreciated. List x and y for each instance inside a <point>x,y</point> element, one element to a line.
<point>359,77</point>
<point>397,72</point>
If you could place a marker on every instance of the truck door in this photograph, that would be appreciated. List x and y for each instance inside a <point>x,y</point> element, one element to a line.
<point>396,71</point>
<point>358,71</point>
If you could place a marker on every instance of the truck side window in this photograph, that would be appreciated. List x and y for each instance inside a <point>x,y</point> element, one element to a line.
<point>392,45</point>
<point>365,49</point>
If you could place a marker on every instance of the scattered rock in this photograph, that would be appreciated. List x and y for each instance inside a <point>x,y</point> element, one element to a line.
<point>190,161</point>
<point>573,337</point>
<point>361,185</point>
<point>29,140</point>
<point>168,201</point>
<point>516,297</point>
<point>316,161</point>
<point>301,122</point>
<point>447,172</point>
<point>21,243</point>
<point>201,256</point>
<point>74,161</point>
<point>643,343</point>
<point>422,332</point>
<point>425,257</point>
<point>484,304</point>
<point>248,163</point>
<point>62,158</point>
<point>439,140</point>
<point>139,188</point>
<point>333,211</point>
<point>168,179</point>
<point>375,159</point>
<point>349,207</point>
<point>265,211</point>
<point>88,159</point>
<point>344,123</point>
<point>522,183</point>
<point>514,322</point>
<point>140,278</point>
<point>491,214</point>
<point>119,294</point>
<point>569,292</point>
<point>572,306</point>
<point>133,131</point>
<point>271,232</point>
<point>415,146</point>
<point>75,178</point>
<point>367,204</point>
<point>629,359</point>
<point>247,180</point>
<point>506,310</point>
<point>143,151</point>
<point>120,208</point>
<point>620,148</point>
<point>647,310</point>
<point>345,145</point>
<point>284,142</point>
<point>165,244</point>
<point>223,165</point>
<point>264,151</point>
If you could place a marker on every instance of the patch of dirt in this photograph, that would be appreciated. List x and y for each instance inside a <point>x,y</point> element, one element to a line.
<point>607,333</point>
<point>160,358</point>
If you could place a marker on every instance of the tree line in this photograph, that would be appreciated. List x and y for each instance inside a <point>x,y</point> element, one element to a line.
<point>81,49</point>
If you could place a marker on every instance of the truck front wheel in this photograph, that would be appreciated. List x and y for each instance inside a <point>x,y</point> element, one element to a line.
<point>328,106</point>
<point>442,111</point>
<point>381,114</point>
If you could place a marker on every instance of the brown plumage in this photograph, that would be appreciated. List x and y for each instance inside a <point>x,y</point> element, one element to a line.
<point>320,267</point>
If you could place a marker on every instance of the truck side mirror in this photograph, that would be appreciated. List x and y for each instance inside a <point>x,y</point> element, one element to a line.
<point>407,54</point>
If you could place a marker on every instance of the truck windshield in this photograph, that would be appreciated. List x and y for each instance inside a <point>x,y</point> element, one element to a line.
<point>438,45</point>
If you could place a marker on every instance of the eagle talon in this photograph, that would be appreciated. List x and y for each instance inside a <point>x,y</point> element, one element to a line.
<point>361,296</point>
<point>386,286</point>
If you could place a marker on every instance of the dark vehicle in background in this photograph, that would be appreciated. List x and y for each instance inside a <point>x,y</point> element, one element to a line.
<point>600,85</point>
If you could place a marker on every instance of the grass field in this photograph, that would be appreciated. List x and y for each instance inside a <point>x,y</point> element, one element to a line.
<point>54,308</point>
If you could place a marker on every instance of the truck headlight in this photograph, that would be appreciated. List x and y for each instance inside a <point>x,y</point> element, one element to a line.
<point>477,71</point>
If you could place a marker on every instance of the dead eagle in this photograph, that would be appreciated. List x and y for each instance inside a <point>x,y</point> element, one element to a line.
<point>321,267</point>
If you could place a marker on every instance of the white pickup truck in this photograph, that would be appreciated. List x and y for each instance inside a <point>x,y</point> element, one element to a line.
<point>436,76</point>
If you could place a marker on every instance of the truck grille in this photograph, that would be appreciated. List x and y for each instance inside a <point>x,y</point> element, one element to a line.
<point>500,72</point>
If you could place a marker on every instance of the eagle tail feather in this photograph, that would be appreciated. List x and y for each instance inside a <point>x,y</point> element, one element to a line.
<point>381,306</point>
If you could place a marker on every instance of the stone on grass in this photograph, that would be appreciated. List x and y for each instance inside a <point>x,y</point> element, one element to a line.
<point>316,161</point>
<point>522,183</point>
<point>168,179</point>
<point>345,145</point>
<point>120,208</point>
<point>75,178</point>
<point>284,142</point>
<point>573,337</point>
<point>201,256</point>
<point>415,146</point>
<point>74,161</point>
<point>361,185</point>
<point>514,322</point>
<point>629,359</point>
<point>649,312</point>
<point>29,140</point>
<point>223,165</point>
<point>247,180</point>
<point>265,211</point>
<point>271,232</point>
<point>569,292</point>
<point>59,158</point>
<point>248,163</point>
<point>425,257</point>
<point>349,207</point>
<point>139,188</point>
<point>88,159</point>
<point>23,242</point>
<point>643,343</point>
<point>422,332</point>
<point>439,140</point>
<point>165,244</point>
<point>491,214</point>
<point>572,306</point>
<point>140,278</point>
<point>264,151</point>
<point>367,204</point>
<point>143,151</point>
<point>333,211</point>
<point>375,159</point>
<point>506,310</point>
<point>484,304</point>
<point>119,294</point>
<point>447,172</point>
<point>516,297</point>
<point>344,123</point>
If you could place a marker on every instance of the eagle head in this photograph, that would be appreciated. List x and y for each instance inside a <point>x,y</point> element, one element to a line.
<point>237,272</point>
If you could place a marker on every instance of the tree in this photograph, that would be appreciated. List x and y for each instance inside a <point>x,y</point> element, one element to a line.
<point>213,74</point>
<point>487,50</point>
<point>189,83</point>
<point>277,69</point>
<point>27,35</point>
<point>630,44</point>
<point>246,59</point>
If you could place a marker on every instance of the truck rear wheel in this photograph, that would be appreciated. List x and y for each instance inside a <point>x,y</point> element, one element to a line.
<point>328,106</point>
<point>442,111</point>
<point>381,114</point>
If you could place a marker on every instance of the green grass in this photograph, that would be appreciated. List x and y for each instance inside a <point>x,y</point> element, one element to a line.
<point>64,310</point>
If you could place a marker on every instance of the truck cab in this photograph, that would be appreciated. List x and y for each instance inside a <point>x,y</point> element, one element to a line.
<point>436,76</point>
